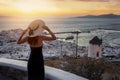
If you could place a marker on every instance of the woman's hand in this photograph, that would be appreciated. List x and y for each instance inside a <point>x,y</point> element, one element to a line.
<point>25,31</point>
<point>46,28</point>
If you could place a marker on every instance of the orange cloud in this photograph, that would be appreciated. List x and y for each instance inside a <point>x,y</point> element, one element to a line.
<point>94,0</point>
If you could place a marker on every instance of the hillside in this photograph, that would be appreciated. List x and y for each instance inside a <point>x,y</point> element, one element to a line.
<point>100,16</point>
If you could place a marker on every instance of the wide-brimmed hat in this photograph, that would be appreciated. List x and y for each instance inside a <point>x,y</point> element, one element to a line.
<point>35,28</point>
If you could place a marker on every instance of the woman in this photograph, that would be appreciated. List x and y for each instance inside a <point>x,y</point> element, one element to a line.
<point>35,63</point>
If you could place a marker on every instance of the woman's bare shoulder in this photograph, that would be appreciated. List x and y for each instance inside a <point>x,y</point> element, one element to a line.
<point>43,37</point>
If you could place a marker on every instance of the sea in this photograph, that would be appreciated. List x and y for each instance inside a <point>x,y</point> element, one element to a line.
<point>107,29</point>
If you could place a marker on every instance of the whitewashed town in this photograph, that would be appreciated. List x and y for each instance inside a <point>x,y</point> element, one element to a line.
<point>10,49</point>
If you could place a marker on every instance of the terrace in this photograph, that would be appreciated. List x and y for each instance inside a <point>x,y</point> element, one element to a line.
<point>17,70</point>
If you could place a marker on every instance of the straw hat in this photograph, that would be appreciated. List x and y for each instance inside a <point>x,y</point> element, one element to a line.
<point>35,28</point>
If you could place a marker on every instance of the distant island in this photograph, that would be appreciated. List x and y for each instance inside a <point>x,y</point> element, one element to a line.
<point>1,16</point>
<point>100,16</point>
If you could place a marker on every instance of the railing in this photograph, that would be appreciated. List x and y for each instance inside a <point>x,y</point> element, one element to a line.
<point>50,73</point>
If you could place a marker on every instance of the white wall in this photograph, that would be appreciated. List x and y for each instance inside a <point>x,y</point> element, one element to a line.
<point>92,51</point>
<point>51,73</point>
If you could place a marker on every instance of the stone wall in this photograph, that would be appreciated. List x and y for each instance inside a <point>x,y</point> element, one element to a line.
<point>13,74</point>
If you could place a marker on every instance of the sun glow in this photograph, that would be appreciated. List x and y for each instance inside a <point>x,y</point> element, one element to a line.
<point>31,6</point>
<point>25,8</point>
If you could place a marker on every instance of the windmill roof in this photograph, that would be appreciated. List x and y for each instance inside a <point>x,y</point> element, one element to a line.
<point>95,40</point>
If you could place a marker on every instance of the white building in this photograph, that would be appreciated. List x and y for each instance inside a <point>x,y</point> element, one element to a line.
<point>94,50</point>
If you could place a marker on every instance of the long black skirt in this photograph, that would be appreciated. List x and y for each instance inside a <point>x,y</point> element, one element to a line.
<point>36,64</point>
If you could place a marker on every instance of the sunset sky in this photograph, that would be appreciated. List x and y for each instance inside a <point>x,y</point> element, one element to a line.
<point>58,7</point>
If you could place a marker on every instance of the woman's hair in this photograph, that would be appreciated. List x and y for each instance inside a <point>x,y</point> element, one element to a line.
<point>33,40</point>
<point>31,32</point>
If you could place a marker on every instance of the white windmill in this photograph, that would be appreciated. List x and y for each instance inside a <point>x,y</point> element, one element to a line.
<point>95,50</point>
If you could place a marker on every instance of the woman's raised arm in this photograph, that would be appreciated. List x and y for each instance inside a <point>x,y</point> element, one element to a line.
<point>22,40</point>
